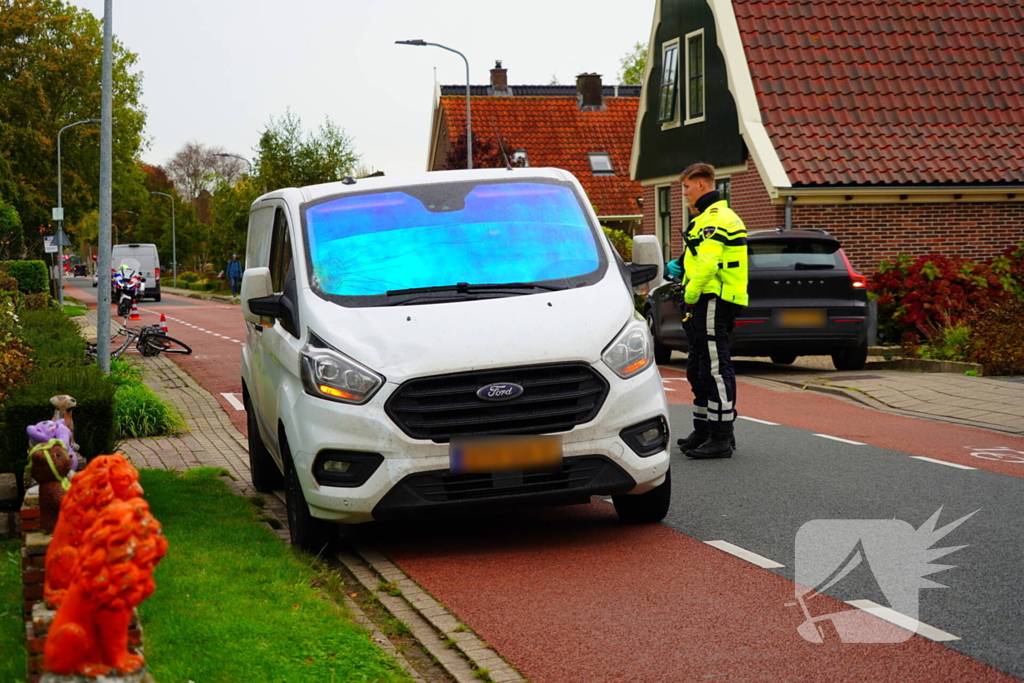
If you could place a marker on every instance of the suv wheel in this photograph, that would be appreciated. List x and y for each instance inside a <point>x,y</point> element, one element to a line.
<point>851,359</point>
<point>662,354</point>
<point>306,531</point>
<point>265,475</point>
<point>646,508</point>
<point>783,358</point>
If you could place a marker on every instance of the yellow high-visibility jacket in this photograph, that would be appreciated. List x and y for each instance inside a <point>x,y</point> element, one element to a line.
<point>716,256</point>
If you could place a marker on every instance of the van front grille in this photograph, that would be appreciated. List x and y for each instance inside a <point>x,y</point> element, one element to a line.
<point>555,398</point>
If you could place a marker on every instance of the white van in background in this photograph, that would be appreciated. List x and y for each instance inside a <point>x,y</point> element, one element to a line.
<point>149,262</point>
<point>445,344</point>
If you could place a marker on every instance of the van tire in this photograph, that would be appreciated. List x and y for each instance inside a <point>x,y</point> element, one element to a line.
<point>265,475</point>
<point>306,531</point>
<point>646,508</point>
<point>157,297</point>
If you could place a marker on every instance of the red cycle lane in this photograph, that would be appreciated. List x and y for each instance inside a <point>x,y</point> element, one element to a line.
<point>824,414</point>
<point>572,595</point>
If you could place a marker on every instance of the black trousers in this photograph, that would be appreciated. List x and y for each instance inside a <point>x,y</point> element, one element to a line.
<point>709,365</point>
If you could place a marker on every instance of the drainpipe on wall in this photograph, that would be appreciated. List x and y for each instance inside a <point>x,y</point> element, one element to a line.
<point>789,212</point>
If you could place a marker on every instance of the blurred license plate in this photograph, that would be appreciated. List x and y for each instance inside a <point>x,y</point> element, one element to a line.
<point>506,454</point>
<point>803,317</point>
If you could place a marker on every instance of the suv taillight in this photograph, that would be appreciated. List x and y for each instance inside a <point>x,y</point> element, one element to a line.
<point>859,281</point>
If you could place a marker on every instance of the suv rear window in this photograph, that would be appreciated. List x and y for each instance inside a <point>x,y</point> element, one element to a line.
<point>794,254</point>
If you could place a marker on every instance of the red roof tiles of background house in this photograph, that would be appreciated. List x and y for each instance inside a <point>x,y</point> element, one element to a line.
<point>554,132</point>
<point>890,92</point>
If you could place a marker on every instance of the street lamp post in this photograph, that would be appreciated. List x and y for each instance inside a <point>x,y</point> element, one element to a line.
<point>174,238</point>
<point>60,214</point>
<point>235,156</point>
<point>469,127</point>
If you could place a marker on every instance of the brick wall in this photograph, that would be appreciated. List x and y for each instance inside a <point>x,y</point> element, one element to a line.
<point>751,201</point>
<point>871,233</point>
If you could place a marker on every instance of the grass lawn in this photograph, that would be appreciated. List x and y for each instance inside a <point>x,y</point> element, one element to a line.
<point>232,602</point>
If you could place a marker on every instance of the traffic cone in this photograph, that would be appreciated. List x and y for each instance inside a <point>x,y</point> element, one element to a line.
<point>163,323</point>
<point>135,311</point>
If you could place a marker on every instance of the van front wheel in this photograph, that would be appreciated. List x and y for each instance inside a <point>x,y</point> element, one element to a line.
<point>306,531</point>
<point>646,508</point>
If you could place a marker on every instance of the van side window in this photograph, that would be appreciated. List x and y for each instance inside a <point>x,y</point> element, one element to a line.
<point>280,251</point>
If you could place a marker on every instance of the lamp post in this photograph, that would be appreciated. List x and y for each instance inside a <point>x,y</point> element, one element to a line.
<point>174,238</point>
<point>469,127</point>
<point>59,214</point>
<point>234,156</point>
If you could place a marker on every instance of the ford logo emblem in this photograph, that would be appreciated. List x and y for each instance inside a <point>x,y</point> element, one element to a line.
<point>499,391</point>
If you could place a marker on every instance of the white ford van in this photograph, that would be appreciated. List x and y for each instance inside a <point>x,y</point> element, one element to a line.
<point>446,343</point>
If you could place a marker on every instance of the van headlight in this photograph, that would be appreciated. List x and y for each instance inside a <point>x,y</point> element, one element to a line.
<point>329,374</point>
<point>632,351</point>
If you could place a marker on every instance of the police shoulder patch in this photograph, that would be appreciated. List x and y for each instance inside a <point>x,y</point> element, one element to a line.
<point>713,210</point>
<point>709,231</point>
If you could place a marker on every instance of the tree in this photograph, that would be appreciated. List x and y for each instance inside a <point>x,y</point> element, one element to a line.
<point>196,167</point>
<point>50,70</point>
<point>230,209</point>
<point>487,153</point>
<point>633,64</point>
<point>289,158</point>
<point>10,232</point>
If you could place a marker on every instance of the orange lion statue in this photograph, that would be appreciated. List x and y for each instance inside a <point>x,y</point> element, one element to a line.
<point>107,478</point>
<point>114,573</point>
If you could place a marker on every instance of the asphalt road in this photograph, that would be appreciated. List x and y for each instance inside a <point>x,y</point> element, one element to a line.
<point>573,595</point>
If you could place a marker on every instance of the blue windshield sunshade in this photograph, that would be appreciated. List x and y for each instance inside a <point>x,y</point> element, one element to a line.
<point>498,233</point>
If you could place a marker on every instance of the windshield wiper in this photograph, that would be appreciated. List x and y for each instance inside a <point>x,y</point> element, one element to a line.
<point>813,266</point>
<point>466,288</point>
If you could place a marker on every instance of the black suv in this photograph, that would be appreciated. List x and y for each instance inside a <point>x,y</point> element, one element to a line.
<point>805,299</point>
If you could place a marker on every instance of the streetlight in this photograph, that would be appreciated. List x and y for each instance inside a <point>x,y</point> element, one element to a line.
<point>469,128</point>
<point>174,238</point>
<point>234,156</point>
<point>60,215</point>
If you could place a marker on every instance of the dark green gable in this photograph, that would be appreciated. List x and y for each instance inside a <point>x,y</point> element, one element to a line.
<point>717,139</point>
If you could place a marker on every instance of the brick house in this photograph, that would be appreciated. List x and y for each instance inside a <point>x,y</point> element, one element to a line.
<point>586,130</point>
<point>896,125</point>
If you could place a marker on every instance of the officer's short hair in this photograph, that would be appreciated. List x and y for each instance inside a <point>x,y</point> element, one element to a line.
<point>699,172</point>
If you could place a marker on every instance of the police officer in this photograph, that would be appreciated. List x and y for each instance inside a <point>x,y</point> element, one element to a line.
<point>714,288</point>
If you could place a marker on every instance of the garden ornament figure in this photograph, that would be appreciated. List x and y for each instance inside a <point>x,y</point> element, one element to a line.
<point>107,478</point>
<point>42,432</point>
<point>49,464</point>
<point>113,575</point>
<point>62,405</point>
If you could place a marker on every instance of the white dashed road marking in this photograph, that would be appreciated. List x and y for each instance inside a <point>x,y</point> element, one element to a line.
<point>235,403</point>
<point>902,620</point>
<point>752,558</point>
<point>943,462</point>
<point>836,438</point>
<point>760,422</point>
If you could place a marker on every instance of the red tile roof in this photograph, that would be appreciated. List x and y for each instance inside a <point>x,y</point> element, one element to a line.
<point>890,92</point>
<point>554,132</point>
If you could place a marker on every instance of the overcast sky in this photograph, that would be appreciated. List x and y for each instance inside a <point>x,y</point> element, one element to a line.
<point>215,71</point>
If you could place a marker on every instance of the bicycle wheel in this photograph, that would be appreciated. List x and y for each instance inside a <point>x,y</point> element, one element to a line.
<point>152,344</point>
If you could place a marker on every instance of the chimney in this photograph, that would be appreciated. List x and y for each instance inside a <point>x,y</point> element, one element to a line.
<point>499,79</point>
<point>589,92</point>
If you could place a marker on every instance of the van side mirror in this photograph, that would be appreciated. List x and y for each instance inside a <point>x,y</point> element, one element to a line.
<point>256,284</point>
<point>640,274</point>
<point>647,253</point>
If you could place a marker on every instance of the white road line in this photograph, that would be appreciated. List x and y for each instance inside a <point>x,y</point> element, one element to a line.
<point>235,403</point>
<point>836,438</point>
<point>760,422</point>
<point>674,379</point>
<point>750,557</point>
<point>943,462</point>
<point>902,620</point>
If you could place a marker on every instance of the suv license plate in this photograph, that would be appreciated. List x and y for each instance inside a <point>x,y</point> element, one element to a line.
<point>506,454</point>
<point>803,317</point>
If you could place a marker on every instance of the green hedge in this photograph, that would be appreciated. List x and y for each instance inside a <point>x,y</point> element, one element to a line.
<point>55,339</point>
<point>31,275</point>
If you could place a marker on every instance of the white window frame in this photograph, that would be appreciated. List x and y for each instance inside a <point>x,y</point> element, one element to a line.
<point>703,76</point>
<point>674,122</point>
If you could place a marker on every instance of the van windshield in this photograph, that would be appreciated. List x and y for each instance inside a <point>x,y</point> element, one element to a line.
<point>402,241</point>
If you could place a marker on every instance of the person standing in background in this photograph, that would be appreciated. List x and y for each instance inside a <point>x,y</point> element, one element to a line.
<point>234,274</point>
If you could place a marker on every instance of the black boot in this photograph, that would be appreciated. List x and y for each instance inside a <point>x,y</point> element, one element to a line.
<point>717,446</point>
<point>696,438</point>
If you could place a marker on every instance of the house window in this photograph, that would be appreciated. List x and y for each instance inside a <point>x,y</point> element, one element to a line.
<point>664,225</point>
<point>520,159</point>
<point>601,163</point>
<point>722,185</point>
<point>669,81</point>
<point>695,77</point>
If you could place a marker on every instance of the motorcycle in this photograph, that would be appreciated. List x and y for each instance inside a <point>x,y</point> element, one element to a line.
<point>128,285</point>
